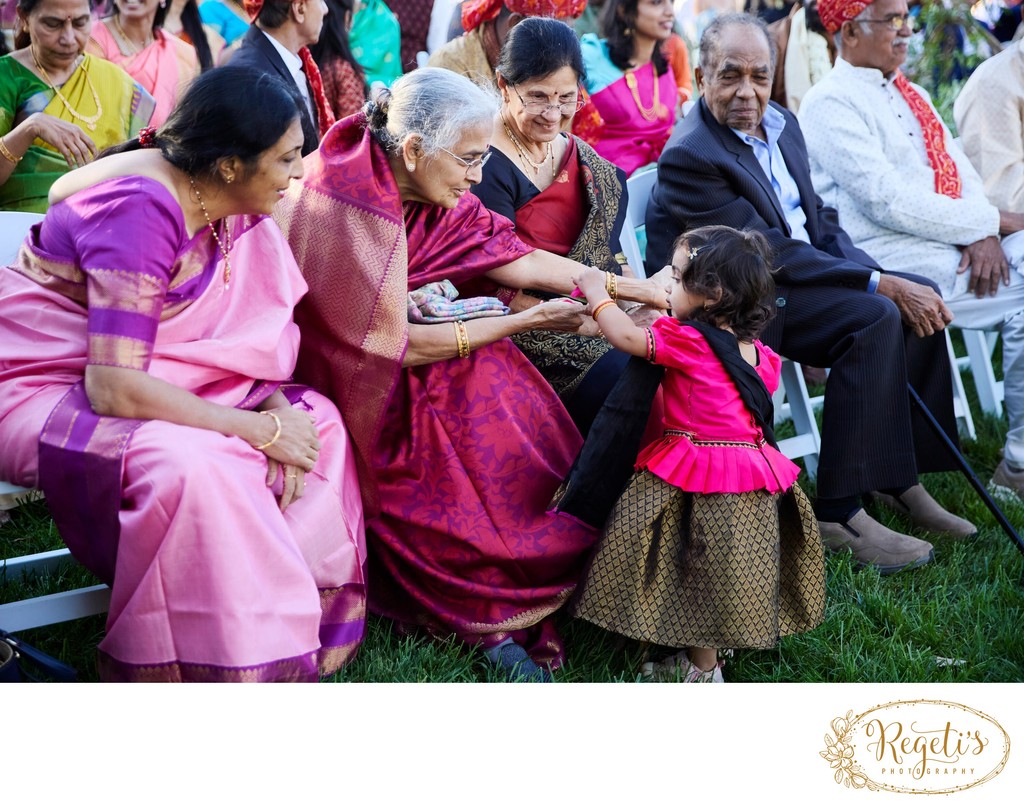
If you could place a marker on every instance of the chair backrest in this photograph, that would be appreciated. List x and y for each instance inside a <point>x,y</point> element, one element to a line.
<point>14,226</point>
<point>639,187</point>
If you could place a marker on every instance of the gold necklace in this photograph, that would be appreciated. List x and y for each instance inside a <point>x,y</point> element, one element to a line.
<point>653,112</point>
<point>537,166</point>
<point>213,230</point>
<point>135,49</point>
<point>89,121</point>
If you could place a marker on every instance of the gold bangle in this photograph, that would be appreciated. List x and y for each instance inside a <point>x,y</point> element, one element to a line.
<point>461,339</point>
<point>277,433</point>
<point>8,154</point>
<point>611,285</point>
<point>601,306</point>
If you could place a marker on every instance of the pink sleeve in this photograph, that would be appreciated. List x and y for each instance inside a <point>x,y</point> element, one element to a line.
<point>126,240</point>
<point>769,367</point>
<point>676,345</point>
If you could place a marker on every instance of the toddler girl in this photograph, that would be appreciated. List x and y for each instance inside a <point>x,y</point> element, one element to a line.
<point>711,545</point>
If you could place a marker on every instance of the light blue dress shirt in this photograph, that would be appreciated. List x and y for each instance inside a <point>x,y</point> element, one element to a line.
<point>769,157</point>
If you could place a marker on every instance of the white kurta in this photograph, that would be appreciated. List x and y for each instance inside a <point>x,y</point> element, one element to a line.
<point>868,161</point>
<point>989,114</point>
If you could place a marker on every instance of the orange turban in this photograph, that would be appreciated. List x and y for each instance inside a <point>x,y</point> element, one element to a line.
<point>252,8</point>
<point>834,13</point>
<point>475,12</point>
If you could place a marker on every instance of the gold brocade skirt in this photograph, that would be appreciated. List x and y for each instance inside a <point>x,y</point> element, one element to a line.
<point>713,570</point>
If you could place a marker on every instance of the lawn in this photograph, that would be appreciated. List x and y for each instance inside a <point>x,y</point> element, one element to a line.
<point>958,619</point>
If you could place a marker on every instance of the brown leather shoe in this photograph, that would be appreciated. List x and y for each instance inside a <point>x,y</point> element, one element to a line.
<point>1006,481</point>
<point>874,545</point>
<point>925,513</point>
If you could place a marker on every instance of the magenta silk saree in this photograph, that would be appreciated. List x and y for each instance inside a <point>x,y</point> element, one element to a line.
<point>210,581</point>
<point>459,458</point>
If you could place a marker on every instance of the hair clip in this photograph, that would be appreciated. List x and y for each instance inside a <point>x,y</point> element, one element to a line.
<point>693,253</point>
<point>146,137</point>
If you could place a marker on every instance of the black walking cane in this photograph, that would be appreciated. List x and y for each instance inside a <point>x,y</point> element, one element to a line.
<point>965,467</point>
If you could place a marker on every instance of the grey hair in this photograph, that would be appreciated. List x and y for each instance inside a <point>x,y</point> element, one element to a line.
<point>837,37</point>
<point>436,104</point>
<point>710,40</point>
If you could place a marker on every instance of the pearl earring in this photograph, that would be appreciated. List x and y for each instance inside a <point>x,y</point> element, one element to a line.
<point>411,166</point>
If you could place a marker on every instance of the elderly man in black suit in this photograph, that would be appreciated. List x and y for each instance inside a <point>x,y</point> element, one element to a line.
<point>278,43</point>
<point>739,160</point>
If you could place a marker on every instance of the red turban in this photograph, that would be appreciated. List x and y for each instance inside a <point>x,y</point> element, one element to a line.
<point>834,13</point>
<point>475,12</point>
<point>252,8</point>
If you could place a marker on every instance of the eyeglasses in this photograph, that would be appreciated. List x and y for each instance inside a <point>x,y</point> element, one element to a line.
<point>470,164</point>
<point>541,107</point>
<point>896,23</point>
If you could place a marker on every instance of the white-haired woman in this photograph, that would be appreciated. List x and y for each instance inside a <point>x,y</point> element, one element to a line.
<point>461,441</point>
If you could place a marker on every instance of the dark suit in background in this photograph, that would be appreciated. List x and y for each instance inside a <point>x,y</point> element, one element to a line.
<point>256,51</point>
<point>826,318</point>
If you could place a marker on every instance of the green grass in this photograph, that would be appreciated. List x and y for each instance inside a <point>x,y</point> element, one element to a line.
<point>968,606</point>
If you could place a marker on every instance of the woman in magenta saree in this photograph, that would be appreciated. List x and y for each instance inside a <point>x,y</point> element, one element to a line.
<point>462,443</point>
<point>141,369</point>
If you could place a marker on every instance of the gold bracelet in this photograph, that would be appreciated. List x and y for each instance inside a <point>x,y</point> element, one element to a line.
<point>633,307</point>
<point>277,433</point>
<point>611,285</point>
<point>601,306</point>
<point>8,154</point>
<point>462,339</point>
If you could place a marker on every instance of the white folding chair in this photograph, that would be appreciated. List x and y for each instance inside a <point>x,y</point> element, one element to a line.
<point>64,606</point>
<point>792,399</point>
<point>980,345</point>
<point>639,188</point>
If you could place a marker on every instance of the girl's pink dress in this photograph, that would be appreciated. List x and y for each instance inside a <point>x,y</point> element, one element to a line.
<point>711,544</point>
<point>711,442</point>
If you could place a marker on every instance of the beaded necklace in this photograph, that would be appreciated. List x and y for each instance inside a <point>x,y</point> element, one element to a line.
<point>213,230</point>
<point>524,156</point>
<point>89,121</point>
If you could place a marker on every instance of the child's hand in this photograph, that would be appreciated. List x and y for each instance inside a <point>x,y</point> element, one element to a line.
<point>591,283</point>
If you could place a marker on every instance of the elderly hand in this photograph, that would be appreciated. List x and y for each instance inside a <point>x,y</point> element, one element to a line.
<point>988,265</point>
<point>591,283</point>
<point>662,279</point>
<point>298,444</point>
<point>561,314</point>
<point>920,306</point>
<point>75,146</point>
<point>294,485</point>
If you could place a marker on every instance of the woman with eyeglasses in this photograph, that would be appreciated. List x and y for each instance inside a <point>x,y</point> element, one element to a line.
<point>633,91</point>
<point>562,196</point>
<point>461,442</point>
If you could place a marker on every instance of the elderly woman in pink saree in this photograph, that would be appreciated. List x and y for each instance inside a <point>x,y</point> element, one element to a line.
<point>145,335</point>
<point>461,441</point>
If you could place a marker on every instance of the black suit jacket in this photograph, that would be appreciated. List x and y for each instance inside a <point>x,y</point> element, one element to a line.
<point>257,52</point>
<point>708,176</point>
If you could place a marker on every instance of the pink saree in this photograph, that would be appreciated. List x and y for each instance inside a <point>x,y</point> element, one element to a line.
<point>461,457</point>
<point>210,581</point>
<point>164,67</point>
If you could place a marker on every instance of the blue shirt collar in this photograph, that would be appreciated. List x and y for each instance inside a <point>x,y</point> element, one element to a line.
<point>773,123</point>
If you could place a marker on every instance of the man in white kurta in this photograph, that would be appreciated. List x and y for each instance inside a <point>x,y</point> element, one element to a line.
<point>879,153</point>
<point>989,113</point>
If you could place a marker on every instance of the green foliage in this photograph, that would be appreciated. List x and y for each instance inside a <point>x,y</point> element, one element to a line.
<point>940,59</point>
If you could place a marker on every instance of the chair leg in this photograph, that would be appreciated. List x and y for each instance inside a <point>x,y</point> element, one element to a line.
<point>961,407</point>
<point>807,441</point>
<point>990,391</point>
